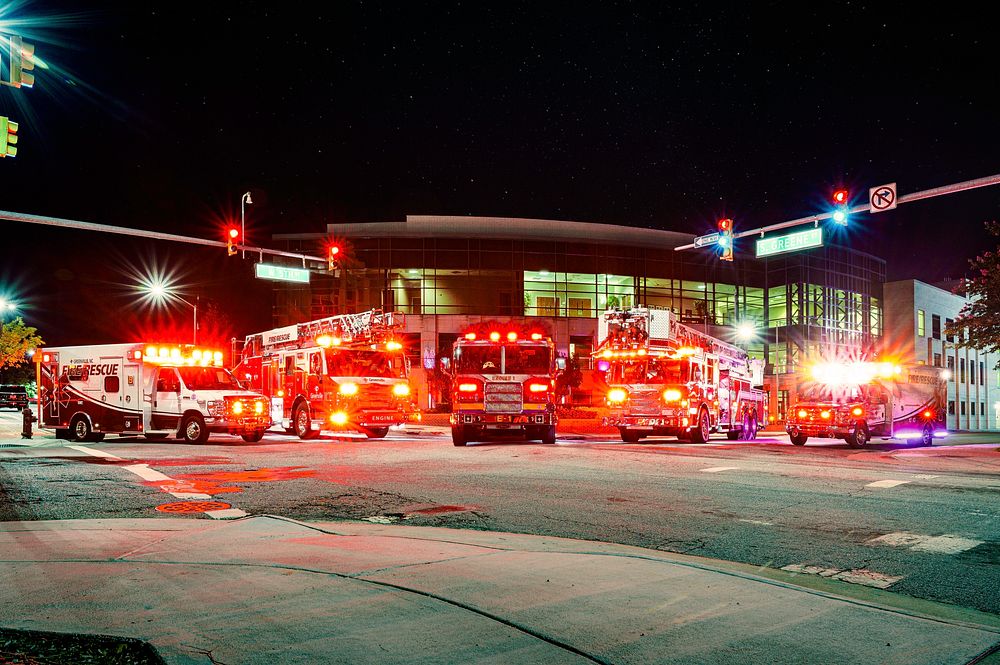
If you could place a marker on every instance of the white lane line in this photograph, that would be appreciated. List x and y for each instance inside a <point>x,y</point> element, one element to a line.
<point>94,452</point>
<point>717,469</point>
<point>924,476</point>
<point>144,472</point>
<point>227,514</point>
<point>887,483</point>
<point>943,544</point>
<point>760,522</point>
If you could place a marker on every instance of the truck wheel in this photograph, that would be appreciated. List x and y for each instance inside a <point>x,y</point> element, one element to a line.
<point>302,422</point>
<point>701,433</point>
<point>254,436</point>
<point>798,439</point>
<point>458,436</point>
<point>80,429</point>
<point>859,437</point>
<point>376,432</point>
<point>549,436</point>
<point>927,436</point>
<point>628,435</point>
<point>193,430</point>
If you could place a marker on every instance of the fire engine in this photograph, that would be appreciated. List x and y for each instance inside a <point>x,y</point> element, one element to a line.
<point>503,385</point>
<point>157,390</point>
<point>856,401</point>
<point>340,372</point>
<point>666,378</point>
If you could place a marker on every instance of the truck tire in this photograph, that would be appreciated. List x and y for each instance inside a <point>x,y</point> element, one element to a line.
<point>458,436</point>
<point>549,435</point>
<point>927,436</point>
<point>254,436</point>
<point>80,430</point>
<point>798,439</point>
<point>193,429</point>
<point>701,431</point>
<point>376,432</point>
<point>302,423</point>
<point>628,435</point>
<point>859,437</point>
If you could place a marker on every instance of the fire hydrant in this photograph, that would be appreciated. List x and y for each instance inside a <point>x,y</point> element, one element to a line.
<point>27,417</point>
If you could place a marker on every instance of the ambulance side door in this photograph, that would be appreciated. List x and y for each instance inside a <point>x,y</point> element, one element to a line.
<point>107,385</point>
<point>166,413</point>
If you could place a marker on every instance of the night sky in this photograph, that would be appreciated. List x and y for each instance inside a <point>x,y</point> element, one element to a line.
<point>160,115</point>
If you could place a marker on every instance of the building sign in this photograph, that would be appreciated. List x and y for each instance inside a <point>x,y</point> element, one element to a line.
<point>280,335</point>
<point>792,242</point>
<point>281,273</point>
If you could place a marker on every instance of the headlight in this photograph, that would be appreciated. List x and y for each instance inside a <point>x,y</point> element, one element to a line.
<point>825,415</point>
<point>671,395</point>
<point>348,389</point>
<point>401,390</point>
<point>617,396</point>
<point>258,407</point>
<point>237,408</point>
<point>857,411</point>
<point>803,413</point>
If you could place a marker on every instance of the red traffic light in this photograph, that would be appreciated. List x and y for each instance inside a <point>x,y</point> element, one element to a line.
<point>234,233</point>
<point>334,250</point>
<point>726,224</point>
<point>231,236</point>
<point>840,196</point>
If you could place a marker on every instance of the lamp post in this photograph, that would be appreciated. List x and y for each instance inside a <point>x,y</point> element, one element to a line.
<point>160,294</point>
<point>243,230</point>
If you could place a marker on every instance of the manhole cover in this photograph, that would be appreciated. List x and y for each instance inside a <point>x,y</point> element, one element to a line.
<point>192,506</point>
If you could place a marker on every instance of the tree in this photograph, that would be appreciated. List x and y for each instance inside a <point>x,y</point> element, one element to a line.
<point>978,322</point>
<point>16,339</point>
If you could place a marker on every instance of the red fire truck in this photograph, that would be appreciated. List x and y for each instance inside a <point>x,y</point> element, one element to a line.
<point>666,378</point>
<point>341,372</point>
<point>503,385</point>
<point>856,401</point>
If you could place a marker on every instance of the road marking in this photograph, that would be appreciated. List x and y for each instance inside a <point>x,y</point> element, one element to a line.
<point>943,544</point>
<point>227,514</point>
<point>887,483</point>
<point>760,522</point>
<point>144,472</point>
<point>717,469</point>
<point>94,452</point>
<point>861,576</point>
<point>924,476</point>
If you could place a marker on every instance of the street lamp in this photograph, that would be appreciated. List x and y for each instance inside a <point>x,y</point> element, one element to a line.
<point>159,293</point>
<point>6,306</point>
<point>243,230</point>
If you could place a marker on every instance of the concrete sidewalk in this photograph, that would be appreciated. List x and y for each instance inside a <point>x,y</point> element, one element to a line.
<point>271,590</point>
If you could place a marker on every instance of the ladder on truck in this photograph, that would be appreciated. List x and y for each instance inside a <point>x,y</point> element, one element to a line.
<point>351,330</point>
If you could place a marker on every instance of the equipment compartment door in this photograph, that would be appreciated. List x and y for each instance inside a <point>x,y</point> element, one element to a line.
<point>132,399</point>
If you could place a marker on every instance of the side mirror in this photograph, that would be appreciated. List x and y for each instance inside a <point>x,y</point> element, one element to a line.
<point>560,363</point>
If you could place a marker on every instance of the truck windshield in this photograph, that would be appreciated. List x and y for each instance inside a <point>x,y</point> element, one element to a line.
<point>525,359</point>
<point>342,362</point>
<point>654,370</point>
<point>208,378</point>
<point>477,359</point>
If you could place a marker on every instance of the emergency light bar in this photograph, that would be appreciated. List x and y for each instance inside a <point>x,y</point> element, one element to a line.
<point>853,374</point>
<point>175,355</point>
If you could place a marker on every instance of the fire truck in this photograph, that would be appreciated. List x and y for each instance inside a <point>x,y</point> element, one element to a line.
<point>503,385</point>
<point>856,401</point>
<point>665,378</point>
<point>345,372</point>
<point>157,390</point>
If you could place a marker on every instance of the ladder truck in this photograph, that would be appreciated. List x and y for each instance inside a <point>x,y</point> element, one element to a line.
<point>345,372</point>
<point>666,378</point>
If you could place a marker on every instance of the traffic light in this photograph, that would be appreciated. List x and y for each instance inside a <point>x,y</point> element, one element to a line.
<point>232,235</point>
<point>840,199</point>
<point>22,60</point>
<point>332,254</point>
<point>8,137</point>
<point>726,239</point>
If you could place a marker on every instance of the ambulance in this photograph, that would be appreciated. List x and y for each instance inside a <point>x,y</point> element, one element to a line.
<point>156,390</point>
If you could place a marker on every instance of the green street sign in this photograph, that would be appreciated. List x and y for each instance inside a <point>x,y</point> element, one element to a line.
<point>792,242</point>
<point>281,273</point>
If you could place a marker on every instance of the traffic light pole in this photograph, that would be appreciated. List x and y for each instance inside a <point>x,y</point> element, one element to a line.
<point>909,198</point>
<point>139,233</point>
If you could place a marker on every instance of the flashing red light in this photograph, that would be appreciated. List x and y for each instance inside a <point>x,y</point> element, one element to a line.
<point>512,336</point>
<point>494,336</point>
<point>470,336</point>
<point>536,336</point>
<point>231,236</point>
<point>840,196</point>
<point>467,387</point>
<point>927,414</point>
<point>725,224</point>
<point>234,233</point>
<point>334,250</point>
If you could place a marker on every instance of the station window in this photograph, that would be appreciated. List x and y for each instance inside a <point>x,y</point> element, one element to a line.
<point>937,359</point>
<point>947,325</point>
<point>982,408</point>
<point>963,408</point>
<point>951,407</point>
<point>982,373</point>
<point>935,326</point>
<point>961,369</point>
<point>920,323</point>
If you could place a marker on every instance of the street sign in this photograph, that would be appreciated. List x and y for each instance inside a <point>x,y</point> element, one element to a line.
<point>704,241</point>
<point>792,242</point>
<point>882,198</point>
<point>280,273</point>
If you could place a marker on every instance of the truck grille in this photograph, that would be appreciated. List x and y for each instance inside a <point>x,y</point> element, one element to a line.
<point>503,397</point>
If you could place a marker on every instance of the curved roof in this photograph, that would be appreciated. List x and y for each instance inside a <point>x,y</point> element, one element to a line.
<point>448,226</point>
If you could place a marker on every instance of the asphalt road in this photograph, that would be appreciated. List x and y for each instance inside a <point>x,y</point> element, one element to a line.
<point>918,521</point>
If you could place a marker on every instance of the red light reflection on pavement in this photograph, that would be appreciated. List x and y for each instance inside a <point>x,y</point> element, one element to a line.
<point>216,482</point>
<point>184,507</point>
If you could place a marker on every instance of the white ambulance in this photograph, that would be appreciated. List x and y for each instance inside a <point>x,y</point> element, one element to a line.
<point>157,390</point>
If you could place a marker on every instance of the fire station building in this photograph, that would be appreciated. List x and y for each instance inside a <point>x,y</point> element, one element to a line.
<point>447,272</point>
